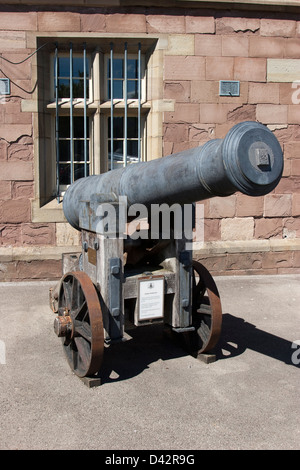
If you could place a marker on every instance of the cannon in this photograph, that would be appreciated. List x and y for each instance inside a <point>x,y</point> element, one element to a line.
<point>137,225</point>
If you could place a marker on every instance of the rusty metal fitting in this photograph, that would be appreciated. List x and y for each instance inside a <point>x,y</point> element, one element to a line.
<point>63,325</point>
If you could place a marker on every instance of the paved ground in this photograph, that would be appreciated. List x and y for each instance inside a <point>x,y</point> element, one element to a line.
<point>154,396</point>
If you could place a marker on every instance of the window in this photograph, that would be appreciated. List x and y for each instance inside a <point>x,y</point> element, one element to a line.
<point>92,113</point>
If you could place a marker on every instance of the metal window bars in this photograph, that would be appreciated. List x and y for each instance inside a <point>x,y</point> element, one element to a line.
<point>125,97</point>
<point>85,130</point>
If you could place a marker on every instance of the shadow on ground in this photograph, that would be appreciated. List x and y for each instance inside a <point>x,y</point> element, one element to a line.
<point>149,344</point>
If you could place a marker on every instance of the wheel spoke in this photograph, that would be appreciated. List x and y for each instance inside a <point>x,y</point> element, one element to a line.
<point>207,311</point>
<point>83,342</point>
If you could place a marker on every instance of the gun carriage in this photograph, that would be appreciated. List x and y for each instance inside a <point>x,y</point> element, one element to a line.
<point>149,275</point>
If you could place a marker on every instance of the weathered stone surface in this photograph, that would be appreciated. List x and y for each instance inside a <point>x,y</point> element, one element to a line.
<point>22,189</point>
<point>38,234</point>
<point>178,90</point>
<point>264,93</point>
<point>250,69</point>
<point>165,23</point>
<point>268,228</point>
<point>237,228</point>
<point>93,22</point>
<point>10,234</point>
<point>220,208</point>
<point>278,205</point>
<point>58,21</point>
<point>277,27</point>
<point>200,24</point>
<point>184,68</point>
<point>15,211</point>
<point>17,170</point>
<point>67,235</point>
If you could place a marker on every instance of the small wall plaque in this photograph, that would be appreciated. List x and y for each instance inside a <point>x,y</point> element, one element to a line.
<point>229,88</point>
<point>4,86</point>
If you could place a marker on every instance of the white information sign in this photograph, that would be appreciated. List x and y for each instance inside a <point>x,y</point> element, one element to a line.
<point>151,298</point>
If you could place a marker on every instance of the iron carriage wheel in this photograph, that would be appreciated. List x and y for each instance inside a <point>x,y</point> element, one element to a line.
<point>79,323</point>
<point>206,312</point>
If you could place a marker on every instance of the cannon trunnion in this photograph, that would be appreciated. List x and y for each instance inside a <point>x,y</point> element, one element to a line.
<point>136,266</point>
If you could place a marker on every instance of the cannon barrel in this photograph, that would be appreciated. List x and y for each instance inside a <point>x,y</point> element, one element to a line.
<point>249,159</point>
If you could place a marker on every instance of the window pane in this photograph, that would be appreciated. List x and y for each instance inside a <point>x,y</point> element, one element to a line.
<point>63,67</point>
<point>132,68</point>
<point>132,89</point>
<point>79,170</point>
<point>118,128</point>
<point>117,68</point>
<point>132,150</point>
<point>78,88</point>
<point>117,88</point>
<point>64,150</point>
<point>64,126</point>
<point>132,127</point>
<point>64,173</point>
<point>79,150</point>
<point>63,88</point>
<point>78,67</point>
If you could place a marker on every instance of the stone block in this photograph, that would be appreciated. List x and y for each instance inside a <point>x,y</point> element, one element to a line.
<point>12,132</point>
<point>277,27</point>
<point>278,205</point>
<point>237,228</point>
<point>291,227</point>
<point>242,26</point>
<point>93,22</point>
<point>5,190</point>
<point>180,44</point>
<point>244,112</point>
<point>38,234</point>
<point>294,114</point>
<point>214,113</point>
<point>16,171</point>
<point>21,71</point>
<point>184,68</point>
<point>244,261</point>
<point>20,150</point>
<point>10,234</point>
<point>179,91</point>
<point>200,24</point>
<point>205,91</point>
<point>15,211</point>
<point>18,21</point>
<point>235,48</point>
<point>266,47</point>
<point>295,166</point>
<point>212,230</point>
<point>264,93</point>
<point>21,189</point>
<point>277,260</point>
<point>58,21</point>
<point>37,269</point>
<point>291,48</point>
<point>291,150</point>
<point>247,206</point>
<point>250,69</point>
<point>3,149</point>
<point>67,235</point>
<point>201,133</point>
<point>12,40</point>
<point>165,24</point>
<point>272,113</point>
<point>176,132</point>
<point>283,70</point>
<point>219,68</point>
<point>221,207</point>
<point>126,23</point>
<point>208,45</point>
<point>184,112</point>
<point>268,228</point>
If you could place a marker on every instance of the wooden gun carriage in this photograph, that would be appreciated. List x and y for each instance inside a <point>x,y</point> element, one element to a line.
<point>148,275</point>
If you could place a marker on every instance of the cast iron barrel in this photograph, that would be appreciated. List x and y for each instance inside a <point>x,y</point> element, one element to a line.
<point>249,159</point>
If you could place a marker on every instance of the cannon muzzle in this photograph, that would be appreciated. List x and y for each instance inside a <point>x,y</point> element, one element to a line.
<point>249,159</point>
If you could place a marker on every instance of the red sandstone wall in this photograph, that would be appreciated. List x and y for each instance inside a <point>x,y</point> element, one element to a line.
<point>225,47</point>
